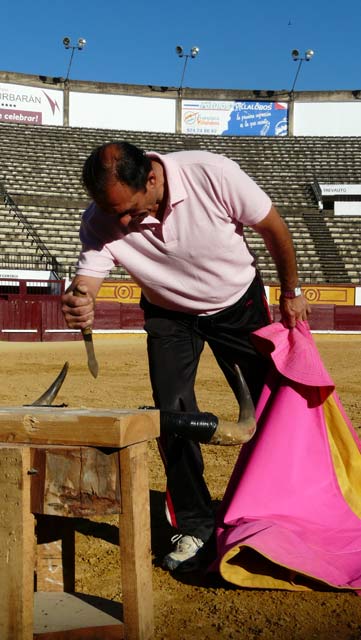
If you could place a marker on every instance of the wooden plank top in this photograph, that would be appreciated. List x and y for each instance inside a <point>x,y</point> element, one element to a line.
<point>87,427</point>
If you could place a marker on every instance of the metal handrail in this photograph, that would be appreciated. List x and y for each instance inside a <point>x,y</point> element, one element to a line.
<point>31,233</point>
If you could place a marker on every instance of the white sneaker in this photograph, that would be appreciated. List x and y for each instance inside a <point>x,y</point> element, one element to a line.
<point>184,557</point>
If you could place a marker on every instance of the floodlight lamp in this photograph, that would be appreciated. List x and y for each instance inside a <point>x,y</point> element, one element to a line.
<point>81,43</point>
<point>179,51</point>
<point>194,51</point>
<point>295,53</point>
<point>309,54</point>
<point>66,42</point>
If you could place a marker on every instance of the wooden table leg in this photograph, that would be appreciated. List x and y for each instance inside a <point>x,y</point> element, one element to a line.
<point>16,545</point>
<point>55,561</point>
<point>135,543</point>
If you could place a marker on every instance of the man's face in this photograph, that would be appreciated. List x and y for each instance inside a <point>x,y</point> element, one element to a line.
<point>127,204</point>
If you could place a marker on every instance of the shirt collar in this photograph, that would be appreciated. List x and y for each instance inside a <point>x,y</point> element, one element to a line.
<point>176,191</point>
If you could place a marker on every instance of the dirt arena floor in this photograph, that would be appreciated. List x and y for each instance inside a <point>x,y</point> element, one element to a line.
<point>202,606</point>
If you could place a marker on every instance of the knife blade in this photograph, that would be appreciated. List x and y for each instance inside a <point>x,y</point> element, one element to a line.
<point>89,346</point>
<point>88,341</point>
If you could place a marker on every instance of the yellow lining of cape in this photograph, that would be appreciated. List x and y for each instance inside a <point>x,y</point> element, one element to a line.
<point>246,567</point>
<point>345,454</point>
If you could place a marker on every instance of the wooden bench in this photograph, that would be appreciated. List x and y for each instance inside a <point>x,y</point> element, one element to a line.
<point>46,454</point>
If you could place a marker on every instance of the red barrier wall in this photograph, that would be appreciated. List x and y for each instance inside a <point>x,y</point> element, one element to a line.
<point>20,320</point>
<point>29,319</point>
<point>322,317</point>
<point>41,320</point>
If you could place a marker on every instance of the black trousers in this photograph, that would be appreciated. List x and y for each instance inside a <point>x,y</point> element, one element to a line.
<point>175,342</point>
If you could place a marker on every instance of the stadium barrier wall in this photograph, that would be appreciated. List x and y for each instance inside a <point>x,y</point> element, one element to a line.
<point>38,318</point>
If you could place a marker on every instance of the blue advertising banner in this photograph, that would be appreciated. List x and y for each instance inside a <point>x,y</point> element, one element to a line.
<point>235,118</point>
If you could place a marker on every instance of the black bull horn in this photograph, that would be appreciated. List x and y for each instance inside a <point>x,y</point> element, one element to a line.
<point>205,428</point>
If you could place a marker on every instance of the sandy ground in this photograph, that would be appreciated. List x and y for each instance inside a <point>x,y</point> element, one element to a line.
<point>198,606</point>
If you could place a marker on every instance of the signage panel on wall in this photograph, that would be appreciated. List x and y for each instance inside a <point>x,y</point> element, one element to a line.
<point>327,119</point>
<point>30,105</point>
<point>133,113</point>
<point>25,274</point>
<point>334,189</point>
<point>235,118</point>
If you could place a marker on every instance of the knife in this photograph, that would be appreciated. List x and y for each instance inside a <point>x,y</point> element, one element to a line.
<point>88,341</point>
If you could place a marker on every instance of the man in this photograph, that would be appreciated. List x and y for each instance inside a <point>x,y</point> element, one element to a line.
<point>175,222</point>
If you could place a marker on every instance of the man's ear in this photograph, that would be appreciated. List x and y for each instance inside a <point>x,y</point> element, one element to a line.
<point>152,178</point>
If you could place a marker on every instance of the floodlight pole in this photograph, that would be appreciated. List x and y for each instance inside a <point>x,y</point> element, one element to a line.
<point>69,66</point>
<point>297,58</point>
<point>297,72</point>
<point>180,53</point>
<point>80,46</point>
<point>192,54</point>
<point>186,56</point>
<point>67,44</point>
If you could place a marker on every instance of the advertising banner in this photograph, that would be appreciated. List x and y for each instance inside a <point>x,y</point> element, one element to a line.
<point>327,119</point>
<point>133,113</point>
<point>30,105</point>
<point>235,118</point>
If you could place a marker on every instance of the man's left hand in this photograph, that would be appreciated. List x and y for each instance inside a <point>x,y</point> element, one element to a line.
<point>293,309</point>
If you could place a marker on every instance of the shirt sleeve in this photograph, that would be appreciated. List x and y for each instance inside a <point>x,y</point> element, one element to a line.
<point>243,198</point>
<point>94,263</point>
<point>94,259</point>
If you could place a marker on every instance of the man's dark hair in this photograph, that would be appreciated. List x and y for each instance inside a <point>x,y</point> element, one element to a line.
<point>120,161</point>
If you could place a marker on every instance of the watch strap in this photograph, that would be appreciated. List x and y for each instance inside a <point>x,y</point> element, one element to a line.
<point>292,293</point>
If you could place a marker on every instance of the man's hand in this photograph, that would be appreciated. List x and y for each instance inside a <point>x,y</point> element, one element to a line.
<point>78,310</point>
<point>293,309</point>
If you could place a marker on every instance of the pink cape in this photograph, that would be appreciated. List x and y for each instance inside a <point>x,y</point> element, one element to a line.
<point>291,514</point>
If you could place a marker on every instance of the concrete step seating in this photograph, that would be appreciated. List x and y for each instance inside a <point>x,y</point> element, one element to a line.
<point>46,162</point>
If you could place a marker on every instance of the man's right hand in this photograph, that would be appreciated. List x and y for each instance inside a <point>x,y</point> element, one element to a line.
<point>78,310</point>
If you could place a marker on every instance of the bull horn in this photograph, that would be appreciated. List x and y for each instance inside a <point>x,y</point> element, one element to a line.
<point>242,431</point>
<point>207,428</point>
<point>48,396</point>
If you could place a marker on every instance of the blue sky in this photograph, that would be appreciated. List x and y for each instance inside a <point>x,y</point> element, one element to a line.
<point>243,44</point>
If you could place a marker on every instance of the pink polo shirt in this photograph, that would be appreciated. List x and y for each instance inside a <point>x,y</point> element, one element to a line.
<point>196,260</point>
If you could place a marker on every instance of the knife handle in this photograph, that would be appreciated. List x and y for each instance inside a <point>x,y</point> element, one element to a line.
<point>87,331</point>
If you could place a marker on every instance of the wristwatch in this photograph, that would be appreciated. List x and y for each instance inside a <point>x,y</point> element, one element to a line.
<point>292,293</point>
